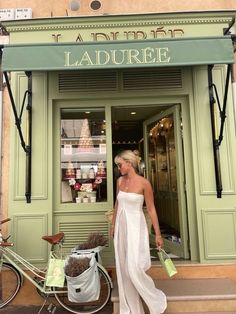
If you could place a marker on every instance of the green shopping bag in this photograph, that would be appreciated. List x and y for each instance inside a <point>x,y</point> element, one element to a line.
<point>167,263</point>
<point>55,276</point>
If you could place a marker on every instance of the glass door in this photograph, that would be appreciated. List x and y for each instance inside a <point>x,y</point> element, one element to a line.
<point>165,169</point>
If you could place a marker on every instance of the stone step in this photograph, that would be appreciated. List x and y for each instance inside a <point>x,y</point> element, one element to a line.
<point>194,295</point>
<point>198,289</point>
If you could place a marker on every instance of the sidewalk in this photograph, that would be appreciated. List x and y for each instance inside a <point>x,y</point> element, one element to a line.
<point>29,309</point>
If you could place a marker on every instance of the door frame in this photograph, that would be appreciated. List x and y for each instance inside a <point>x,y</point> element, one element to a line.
<point>181,249</point>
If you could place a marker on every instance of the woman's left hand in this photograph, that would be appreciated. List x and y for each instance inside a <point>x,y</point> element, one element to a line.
<point>112,231</point>
<point>159,241</point>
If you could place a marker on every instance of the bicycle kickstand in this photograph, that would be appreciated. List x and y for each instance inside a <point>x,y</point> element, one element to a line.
<point>52,308</point>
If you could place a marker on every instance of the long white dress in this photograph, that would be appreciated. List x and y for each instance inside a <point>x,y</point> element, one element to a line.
<point>132,253</point>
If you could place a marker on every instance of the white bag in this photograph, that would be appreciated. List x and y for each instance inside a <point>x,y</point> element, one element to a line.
<point>86,286</point>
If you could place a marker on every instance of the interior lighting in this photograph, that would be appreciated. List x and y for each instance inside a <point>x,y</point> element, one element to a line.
<point>133,112</point>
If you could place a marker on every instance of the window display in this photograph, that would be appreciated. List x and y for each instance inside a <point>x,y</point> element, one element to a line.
<point>83,155</point>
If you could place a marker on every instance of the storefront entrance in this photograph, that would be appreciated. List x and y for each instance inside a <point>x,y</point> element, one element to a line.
<point>89,98</point>
<point>156,132</point>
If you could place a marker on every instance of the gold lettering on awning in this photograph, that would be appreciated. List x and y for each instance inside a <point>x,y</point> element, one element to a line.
<point>115,57</point>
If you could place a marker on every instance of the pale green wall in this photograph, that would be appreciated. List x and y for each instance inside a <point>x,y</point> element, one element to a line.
<point>31,221</point>
<point>212,229</point>
<point>216,217</point>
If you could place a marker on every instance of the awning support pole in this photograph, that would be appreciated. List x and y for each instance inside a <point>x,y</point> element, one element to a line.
<point>27,147</point>
<point>222,110</point>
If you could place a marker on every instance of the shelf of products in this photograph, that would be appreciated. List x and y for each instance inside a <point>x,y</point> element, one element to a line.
<point>87,181</point>
<point>83,155</point>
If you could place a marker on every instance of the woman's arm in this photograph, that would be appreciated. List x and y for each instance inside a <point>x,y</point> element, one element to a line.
<point>148,195</point>
<point>115,209</point>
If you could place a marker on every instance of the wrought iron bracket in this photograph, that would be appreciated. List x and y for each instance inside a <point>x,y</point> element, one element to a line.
<point>213,98</point>
<point>217,139</point>
<point>26,144</point>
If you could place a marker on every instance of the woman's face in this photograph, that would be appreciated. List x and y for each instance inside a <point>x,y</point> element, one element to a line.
<point>123,166</point>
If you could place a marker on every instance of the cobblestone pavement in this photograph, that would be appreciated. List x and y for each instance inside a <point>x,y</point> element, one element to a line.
<point>47,309</point>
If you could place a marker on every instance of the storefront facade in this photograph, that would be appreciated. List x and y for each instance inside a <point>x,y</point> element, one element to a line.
<point>101,84</point>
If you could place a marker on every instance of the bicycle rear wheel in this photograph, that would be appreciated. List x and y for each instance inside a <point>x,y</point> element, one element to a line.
<point>87,307</point>
<point>10,283</point>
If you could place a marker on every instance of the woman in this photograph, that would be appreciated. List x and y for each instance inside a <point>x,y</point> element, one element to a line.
<point>131,239</point>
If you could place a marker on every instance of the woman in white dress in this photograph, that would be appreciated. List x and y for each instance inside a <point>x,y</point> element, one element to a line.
<point>131,239</point>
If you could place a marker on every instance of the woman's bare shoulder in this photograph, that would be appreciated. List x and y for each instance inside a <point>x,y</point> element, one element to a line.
<point>118,181</point>
<point>146,183</point>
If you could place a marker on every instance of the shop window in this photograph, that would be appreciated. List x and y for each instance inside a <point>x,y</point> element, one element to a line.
<point>83,155</point>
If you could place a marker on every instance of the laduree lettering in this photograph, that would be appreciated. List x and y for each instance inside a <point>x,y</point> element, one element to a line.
<point>117,57</point>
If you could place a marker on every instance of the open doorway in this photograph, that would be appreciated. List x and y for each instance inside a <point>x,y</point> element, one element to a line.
<point>156,132</point>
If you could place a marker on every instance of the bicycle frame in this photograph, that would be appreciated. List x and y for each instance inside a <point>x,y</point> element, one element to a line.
<point>20,268</point>
<point>22,265</point>
<point>16,260</point>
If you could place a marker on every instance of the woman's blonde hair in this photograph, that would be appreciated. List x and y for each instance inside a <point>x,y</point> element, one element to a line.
<point>130,156</point>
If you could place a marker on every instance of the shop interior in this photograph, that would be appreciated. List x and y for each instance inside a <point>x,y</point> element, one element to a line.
<point>83,157</point>
<point>128,133</point>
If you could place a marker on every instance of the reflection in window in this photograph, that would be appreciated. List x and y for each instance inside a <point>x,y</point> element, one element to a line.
<point>83,155</point>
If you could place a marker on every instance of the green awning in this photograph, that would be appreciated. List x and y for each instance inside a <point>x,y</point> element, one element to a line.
<point>117,54</point>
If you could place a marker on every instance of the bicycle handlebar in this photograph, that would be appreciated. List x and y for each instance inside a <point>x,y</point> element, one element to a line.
<point>6,244</point>
<point>4,220</point>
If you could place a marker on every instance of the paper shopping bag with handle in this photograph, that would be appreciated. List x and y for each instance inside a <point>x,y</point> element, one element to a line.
<point>55,276</point>
<point>167,263</point>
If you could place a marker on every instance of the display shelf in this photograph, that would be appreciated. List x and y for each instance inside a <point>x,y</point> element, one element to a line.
<point>83,156</point>
<point>91,189</point>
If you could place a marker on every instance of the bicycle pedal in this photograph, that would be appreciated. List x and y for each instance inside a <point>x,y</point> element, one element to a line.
<point>50,308</point>
<point>54,309</point>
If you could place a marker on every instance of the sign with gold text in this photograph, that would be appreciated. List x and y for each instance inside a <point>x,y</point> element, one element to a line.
<point>105,55</point>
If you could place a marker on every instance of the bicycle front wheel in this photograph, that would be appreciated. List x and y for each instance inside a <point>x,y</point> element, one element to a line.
<point>87,307</point>
<point>10,283</point>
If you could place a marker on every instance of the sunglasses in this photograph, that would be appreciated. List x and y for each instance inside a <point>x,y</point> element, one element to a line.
<point>119,165</point>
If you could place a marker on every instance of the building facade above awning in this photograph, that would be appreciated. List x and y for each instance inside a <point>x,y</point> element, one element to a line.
<point>118,54</point>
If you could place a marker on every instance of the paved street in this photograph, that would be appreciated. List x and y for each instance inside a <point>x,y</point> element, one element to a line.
<point>47,309</point>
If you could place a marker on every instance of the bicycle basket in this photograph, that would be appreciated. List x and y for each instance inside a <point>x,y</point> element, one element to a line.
<point>86,286</point>
<point>95,250</point>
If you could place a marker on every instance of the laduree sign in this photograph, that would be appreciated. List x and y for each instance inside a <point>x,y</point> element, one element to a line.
<point>125,54</point>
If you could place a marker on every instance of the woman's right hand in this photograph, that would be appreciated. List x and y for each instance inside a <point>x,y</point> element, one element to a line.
<point>159,241</point>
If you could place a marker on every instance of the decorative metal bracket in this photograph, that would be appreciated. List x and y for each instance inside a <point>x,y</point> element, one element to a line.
<point>26,144</point>
<point>222,110</point>
<point>214,97</point>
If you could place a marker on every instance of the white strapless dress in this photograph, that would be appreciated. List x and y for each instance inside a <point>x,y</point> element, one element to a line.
<point>132,253</point>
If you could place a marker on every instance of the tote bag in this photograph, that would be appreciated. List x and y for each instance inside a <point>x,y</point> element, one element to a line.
<point>167,263</point>
<point>55,276</point>
<point>86,286</point>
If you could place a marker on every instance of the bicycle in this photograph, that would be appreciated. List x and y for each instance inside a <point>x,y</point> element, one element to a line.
<point>13,268</point>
